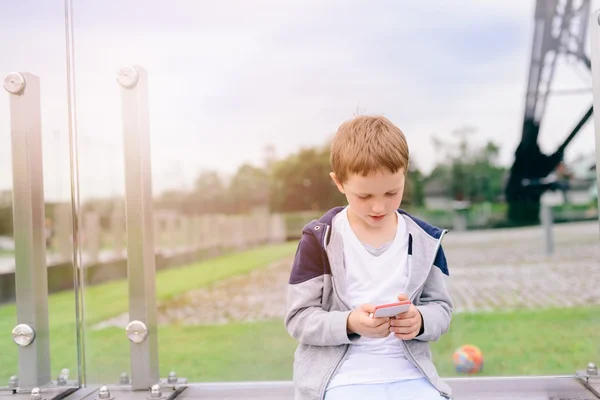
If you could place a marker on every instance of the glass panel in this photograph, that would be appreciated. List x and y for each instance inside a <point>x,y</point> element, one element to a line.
<point>48,233</point>
<point>242,104</point>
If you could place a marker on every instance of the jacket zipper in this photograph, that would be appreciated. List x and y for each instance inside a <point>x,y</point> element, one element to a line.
<point>339,360</point>
<point>333,278</point>
<point>406,349</point>
<point>331,372</point>
<point>416,364</point>
<point>437,247</point>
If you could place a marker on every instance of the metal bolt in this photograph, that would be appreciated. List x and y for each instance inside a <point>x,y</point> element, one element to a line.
<point>36,394</point>
<point>104,393</point>
<point>592,369</point>
<point>124,380</point>
<point>155,393</point>
<point>172,377</point>
<point>128,76</point>
<point>23,335</point>
<point>14,83</point>
<point>13,382</point>
<point>61,380</point>
<point>136,331</point>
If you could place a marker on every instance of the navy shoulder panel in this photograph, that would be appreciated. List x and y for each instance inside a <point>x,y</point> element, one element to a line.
<point>431,230</point>
<point>440,261</point>
<point>318,228</point>
<point>310,260</point>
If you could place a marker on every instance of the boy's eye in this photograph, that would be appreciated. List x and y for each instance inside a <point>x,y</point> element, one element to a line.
<point>368,196</point>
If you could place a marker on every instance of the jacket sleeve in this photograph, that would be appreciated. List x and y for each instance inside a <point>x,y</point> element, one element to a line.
<point>435,304</point>
<point>305,319</point>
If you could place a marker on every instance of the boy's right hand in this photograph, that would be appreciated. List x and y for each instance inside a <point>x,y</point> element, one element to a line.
<point>360,322</point>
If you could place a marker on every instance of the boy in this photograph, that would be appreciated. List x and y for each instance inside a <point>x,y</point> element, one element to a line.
<point>355,257</point>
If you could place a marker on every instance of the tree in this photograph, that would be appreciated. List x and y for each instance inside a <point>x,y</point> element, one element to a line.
<point>468,172</point>
<point>414,191</point>
<point>301,182</point>
<point>209,195</point>
<point>249,188</point>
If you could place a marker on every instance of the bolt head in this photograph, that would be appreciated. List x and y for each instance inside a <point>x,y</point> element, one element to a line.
<point>14,83</point>
<point>36,394</point>
<point>124,380</point>
<point>136,331</point>
<point>155,392</point>
<point>104,393</point>
<point>128,76</point>
<point>13,382</point>
<point>23,335</point>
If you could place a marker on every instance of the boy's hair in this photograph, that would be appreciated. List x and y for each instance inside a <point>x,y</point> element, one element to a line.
<point>367,144</point>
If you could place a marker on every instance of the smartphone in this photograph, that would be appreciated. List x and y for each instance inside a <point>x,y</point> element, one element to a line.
<point>392,309</point>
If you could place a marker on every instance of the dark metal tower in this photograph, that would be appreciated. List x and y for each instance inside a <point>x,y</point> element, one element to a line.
<point>560,31</point>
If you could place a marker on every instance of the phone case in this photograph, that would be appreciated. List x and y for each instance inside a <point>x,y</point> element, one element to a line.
<point>392,309</point>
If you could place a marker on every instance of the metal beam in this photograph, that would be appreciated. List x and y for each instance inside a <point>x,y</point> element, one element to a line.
<point>141,329</point>
<point>576,129</point>
<point>31,275</point>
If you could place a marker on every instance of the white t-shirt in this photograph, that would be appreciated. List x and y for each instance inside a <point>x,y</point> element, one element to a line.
<point>374,279</point>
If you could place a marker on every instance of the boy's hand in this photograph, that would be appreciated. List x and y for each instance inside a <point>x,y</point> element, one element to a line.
<point>407,325</point>
<point>362,323</point>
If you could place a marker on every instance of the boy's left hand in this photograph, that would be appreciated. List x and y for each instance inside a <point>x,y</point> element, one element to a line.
<point>407,325</point>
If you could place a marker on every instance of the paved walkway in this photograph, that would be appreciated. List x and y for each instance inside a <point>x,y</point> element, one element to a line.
<point>508,269</point>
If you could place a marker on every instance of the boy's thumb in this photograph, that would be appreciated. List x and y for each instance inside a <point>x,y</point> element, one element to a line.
<point>402,297</point>
<point>369,308</point>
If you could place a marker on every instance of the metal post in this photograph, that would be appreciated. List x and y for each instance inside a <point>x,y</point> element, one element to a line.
<point>141,329</point>
<point>595,50</point>
<point>547,222</point>
<point>32,331</point>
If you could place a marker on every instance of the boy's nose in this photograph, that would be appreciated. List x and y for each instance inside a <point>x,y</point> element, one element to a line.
<point>378,209</point>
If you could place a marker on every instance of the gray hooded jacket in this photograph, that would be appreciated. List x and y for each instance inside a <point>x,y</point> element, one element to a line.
<point>317,306</point>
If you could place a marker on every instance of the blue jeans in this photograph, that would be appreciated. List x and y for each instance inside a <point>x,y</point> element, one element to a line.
<point>413,389</point>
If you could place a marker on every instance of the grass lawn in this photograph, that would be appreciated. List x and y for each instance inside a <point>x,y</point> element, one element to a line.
<point>557,341</point>
<point>520,343</point>
<point>111,299</point>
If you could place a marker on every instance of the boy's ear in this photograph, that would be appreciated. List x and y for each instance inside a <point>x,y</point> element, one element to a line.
<point>337,183</point>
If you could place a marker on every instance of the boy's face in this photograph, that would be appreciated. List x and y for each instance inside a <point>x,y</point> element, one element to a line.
<point>374,198</point>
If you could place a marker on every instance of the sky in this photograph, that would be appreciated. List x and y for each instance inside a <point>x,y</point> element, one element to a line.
<point>228,78</point>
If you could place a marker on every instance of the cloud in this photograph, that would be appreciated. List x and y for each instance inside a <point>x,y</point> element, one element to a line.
<point>228,78</point>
